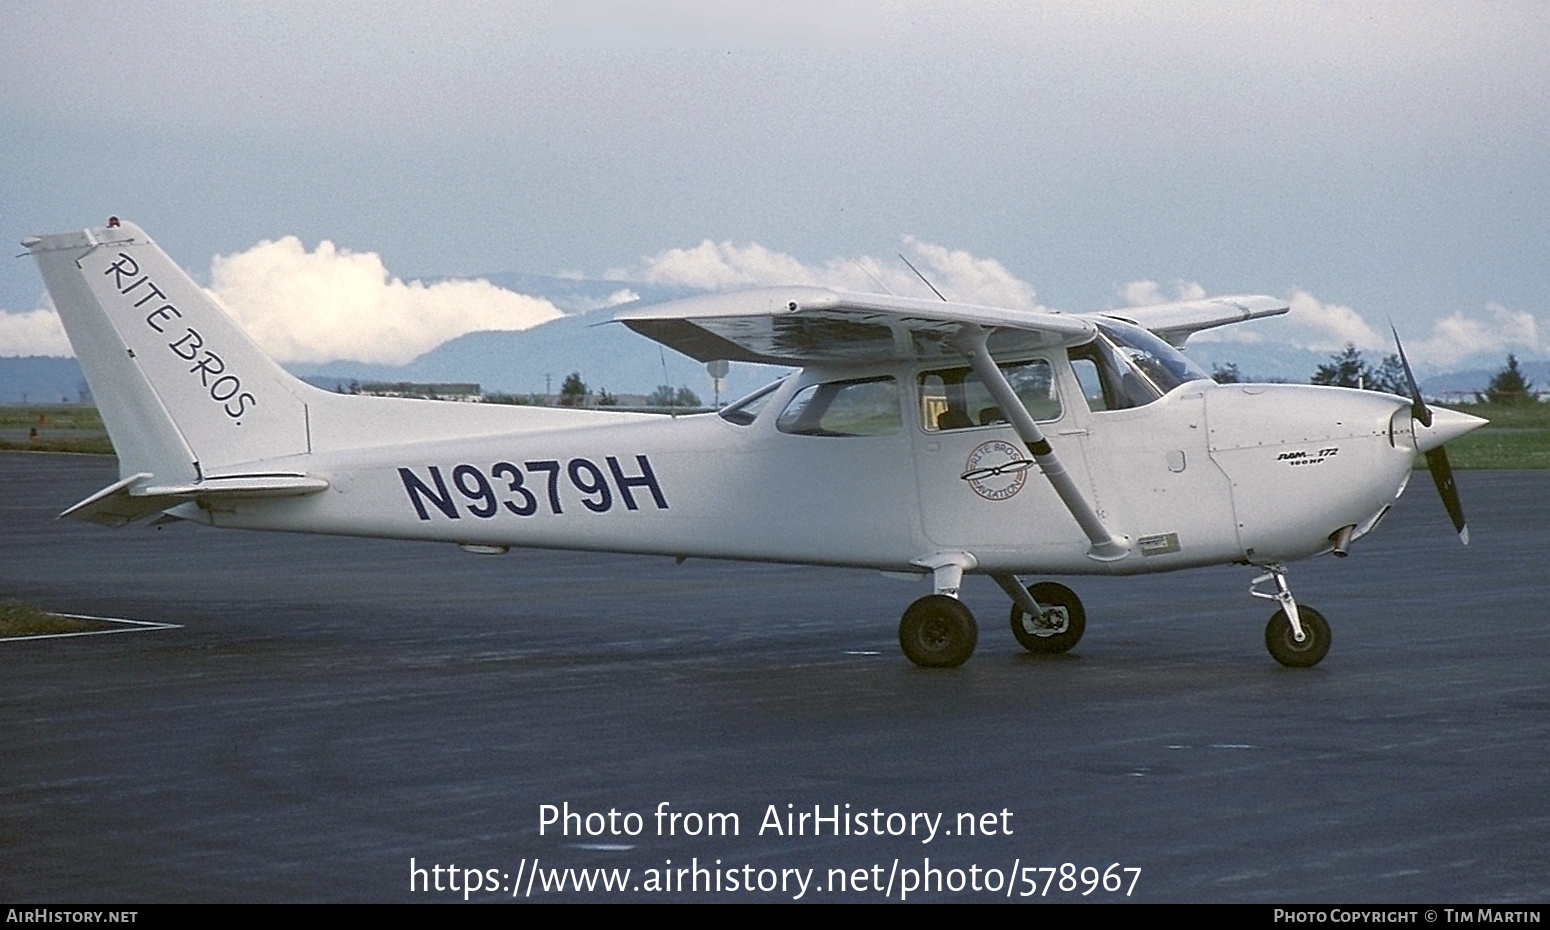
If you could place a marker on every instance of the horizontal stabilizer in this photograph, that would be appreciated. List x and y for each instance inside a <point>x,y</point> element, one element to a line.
<point>122,502</point>
<point>112,506</point>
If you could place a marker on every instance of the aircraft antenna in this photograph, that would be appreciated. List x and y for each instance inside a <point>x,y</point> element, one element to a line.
<point>921,276</point>
<point>868,272</point>
<point>662,355</point>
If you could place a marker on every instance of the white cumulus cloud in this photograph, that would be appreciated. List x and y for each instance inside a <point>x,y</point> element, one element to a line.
<point>333,303</point>
<point>329,304</point>
<point>1457,340</point>
<point>35,332</point>
<point>1310,324</point>
<point>1457,337</point>
<point>1145,292</point>
<point>962,277</point>
<point>618,298</point>
<point>718,266</point>
<point>714,266</point>
<point>1330,326</point>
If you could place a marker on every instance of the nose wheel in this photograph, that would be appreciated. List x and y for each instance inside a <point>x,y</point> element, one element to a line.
<point>1297,636</point>
<point>1287,649</point>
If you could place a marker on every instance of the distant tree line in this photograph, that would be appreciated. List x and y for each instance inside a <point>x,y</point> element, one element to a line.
<point>574,392</point>
<point>1347,368</point>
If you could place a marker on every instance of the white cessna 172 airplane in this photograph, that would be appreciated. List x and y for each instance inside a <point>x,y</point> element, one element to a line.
<point>933,438</point>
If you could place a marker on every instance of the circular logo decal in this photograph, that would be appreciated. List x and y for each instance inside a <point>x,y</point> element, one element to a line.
<point>997,470</point>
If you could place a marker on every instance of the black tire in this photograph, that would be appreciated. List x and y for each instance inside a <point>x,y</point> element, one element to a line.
<point>1285,648</point>
<point>1042,641</point>
<point>937,631</point>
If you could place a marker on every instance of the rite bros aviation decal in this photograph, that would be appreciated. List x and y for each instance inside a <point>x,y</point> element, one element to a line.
<point>225,387</point>
<point>997,470</point>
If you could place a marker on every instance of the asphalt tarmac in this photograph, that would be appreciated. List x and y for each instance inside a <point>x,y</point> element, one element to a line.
<point>364,720</point>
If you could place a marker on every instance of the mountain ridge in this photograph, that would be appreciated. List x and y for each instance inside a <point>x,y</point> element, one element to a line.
<point>610,357</point>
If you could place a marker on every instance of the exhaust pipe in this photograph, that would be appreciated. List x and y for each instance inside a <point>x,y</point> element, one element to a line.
<point>1342,540</point>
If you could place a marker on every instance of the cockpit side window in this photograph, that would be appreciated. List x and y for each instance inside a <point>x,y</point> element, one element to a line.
<point>860,407</point>
<point>956,398</point>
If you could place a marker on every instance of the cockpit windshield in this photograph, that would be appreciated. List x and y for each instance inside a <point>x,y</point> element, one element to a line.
<point>1162,364</point>
<point>1127,366</point>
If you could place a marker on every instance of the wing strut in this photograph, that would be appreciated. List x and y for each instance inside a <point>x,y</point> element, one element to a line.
<point>1106,547</point>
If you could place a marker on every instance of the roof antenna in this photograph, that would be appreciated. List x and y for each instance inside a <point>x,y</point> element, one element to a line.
<point>921,276</point>
<point>672,411</point>
<point>868,272</point>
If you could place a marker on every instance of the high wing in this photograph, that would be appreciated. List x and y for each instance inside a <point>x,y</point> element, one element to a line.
<point>806,325</point>
<point>1176,322</point>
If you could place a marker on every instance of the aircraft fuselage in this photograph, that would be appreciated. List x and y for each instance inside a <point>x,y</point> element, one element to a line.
<point>1206,474</point>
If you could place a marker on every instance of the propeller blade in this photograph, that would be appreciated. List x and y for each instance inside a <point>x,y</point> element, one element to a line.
<point>1442,475</point>
<point>1436,456</point>
<point>1418,408</point>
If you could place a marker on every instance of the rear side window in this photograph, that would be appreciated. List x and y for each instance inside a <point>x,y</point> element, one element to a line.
<point>863,407</point>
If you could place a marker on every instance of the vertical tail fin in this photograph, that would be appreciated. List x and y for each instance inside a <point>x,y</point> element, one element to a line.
<point>183,391</point>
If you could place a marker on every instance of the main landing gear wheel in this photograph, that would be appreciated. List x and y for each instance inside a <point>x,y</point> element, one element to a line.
<point>1062,626</point>
<point>937,631</point>
<point>1285,648</point>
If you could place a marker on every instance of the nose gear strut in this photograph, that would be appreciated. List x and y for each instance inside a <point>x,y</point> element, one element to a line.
<point>1297,636</point>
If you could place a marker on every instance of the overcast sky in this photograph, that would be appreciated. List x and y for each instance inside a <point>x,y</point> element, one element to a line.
<point>1368,160</point>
